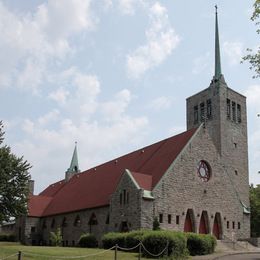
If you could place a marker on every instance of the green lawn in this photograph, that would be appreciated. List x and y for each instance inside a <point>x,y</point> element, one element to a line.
<point>46,253</point>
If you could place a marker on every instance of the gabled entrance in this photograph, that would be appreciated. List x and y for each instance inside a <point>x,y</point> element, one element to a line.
<point>217,231</point>
<point>189,221</point>
<point>204,223</point>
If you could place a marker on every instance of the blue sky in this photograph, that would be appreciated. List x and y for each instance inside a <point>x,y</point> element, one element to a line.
<point>113,75</point>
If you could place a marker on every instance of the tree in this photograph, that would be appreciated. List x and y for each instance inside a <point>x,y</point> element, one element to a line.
<point>254,57</point>
<point>56,237</point>
<point>156,224</point>
<point>255,210</point>
<point>14,182</point>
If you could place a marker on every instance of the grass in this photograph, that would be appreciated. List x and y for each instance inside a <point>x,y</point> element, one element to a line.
<point>48,253</point>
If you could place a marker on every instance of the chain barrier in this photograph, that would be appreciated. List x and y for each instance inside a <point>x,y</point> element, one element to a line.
<point>116,247</point>
<point>9,256</point>
<point>129,249</point>
<point>157,254</point>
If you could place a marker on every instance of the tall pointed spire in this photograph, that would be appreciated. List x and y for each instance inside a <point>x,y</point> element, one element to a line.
<point>217,49</point>
<point>74,165</point>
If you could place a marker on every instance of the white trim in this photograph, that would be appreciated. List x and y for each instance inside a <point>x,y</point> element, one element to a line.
<point>147,194</point>
<point>128,172</point>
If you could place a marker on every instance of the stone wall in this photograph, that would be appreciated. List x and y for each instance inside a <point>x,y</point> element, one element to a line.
<point>128,212</point>
<point>181,189</point>
<point>76,224</point>
<point>28,230</point>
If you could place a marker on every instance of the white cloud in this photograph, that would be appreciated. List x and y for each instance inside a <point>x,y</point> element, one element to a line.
<point>176,130</point>
<point>49,117</point>
<point>59,95</point>
<point>161,103</point>
<point>253,96</point>
<point>77,93</point>
<point>102,129</point>
<point>161,40</point>
<point>30,42</point>
<point>115,109</point>
<point>127,6</point>
<point>201,63</point>
<point>233,51</point>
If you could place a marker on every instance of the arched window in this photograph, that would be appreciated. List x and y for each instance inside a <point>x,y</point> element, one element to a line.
<point>53,223</point>
<point>77,221</point>
<point>64,222</point>
<point>93,220</point>
<point>107,220</point>
<point>44,224</point>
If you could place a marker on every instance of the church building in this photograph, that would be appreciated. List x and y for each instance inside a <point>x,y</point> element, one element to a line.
<point>196,181</point>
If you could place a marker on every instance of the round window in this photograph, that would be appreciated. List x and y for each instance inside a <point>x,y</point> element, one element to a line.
<point>204,171</point>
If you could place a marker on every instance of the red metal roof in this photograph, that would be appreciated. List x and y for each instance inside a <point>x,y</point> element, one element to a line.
<point>94,187</point>
<point>37,204</point>
<point>144,181</point>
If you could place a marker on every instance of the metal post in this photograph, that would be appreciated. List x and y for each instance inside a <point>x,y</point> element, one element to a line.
<point>140,251</point>
<point>19,255</point>
<point>116,252</point>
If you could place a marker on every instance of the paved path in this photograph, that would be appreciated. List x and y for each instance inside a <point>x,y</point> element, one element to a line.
<point>240,257</point>
<point>229,256</point>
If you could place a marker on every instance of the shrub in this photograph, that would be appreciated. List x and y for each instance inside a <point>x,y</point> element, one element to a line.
<point>156,241</point>
<point>156,224</point>
<point>56,238</point>
<point>7,237</point>
<point>111,239</point>
<point>88,240</point>
<point>200,244</point>
<point>133,238</point>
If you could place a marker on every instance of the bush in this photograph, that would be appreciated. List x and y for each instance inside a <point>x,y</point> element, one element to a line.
<point>200,244</point>
<point>156,224</point>
<point>133,238</point>
<point>111,239</point>
<point>7,237</point>
<point>88,240</point>
<point>156,241</point>
<point>56,238</point>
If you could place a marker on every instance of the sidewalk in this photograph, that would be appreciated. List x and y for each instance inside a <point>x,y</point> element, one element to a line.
<point>223,249</point>
<point>219,255</point>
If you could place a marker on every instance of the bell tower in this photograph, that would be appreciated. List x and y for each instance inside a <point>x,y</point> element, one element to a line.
<point>222,110</point>
<point>74,165</point>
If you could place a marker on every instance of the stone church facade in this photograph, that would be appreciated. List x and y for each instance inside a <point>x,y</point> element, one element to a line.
<point>196,181</point>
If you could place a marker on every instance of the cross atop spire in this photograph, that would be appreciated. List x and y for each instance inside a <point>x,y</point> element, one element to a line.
<point>217,50</point>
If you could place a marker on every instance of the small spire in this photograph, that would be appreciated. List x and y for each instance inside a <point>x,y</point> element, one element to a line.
<point>74,165</point>
<point>217,49</point>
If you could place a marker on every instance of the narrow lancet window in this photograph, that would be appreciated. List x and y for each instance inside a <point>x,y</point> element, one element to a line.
<point>202,112</point>
<point>238,113</point>
<point>228,108</point>
<point>209,109</point>
<point>196,114</point>
<point>234,116</point>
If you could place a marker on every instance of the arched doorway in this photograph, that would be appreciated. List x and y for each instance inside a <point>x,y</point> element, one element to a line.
<point>204,223</point>
<point>189,221</point>
<point>217,231</point>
